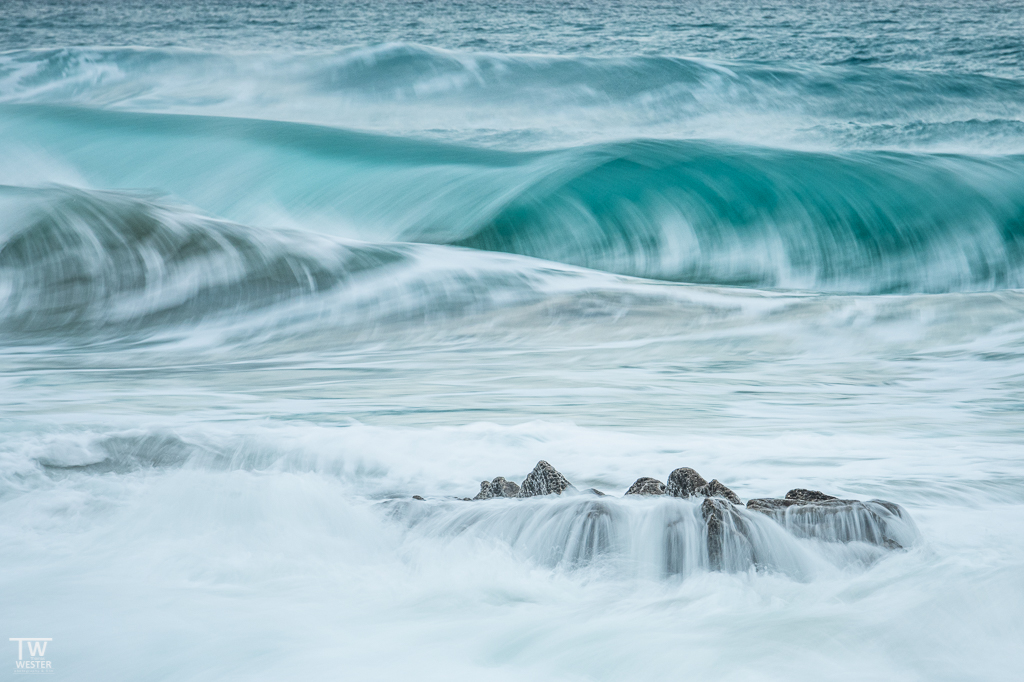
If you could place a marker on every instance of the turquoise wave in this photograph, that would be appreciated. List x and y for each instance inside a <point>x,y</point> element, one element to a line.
<point>687,211</point>
<point>867,222</point>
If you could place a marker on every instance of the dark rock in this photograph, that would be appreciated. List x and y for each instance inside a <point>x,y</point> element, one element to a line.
<point>796,496</point>
<point>543,480</point>
<point>716,489</point>
<point>809,513</point>
<point>711,510</point>
<point>485,491</point>
<point>417,497</point>
<point>646,486</point>
<point>683,482</point>
<point>729,540</point>
<point>502,488</point>
<point>721,518</point>
<point>595,491</point>
<point>499,487</point>
<point>768,505</point>
<point>803,495</point>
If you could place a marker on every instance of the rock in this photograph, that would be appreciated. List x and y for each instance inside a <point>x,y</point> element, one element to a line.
<point>810,513</point>
<point>502,488</point>
<point>711,510</point>
<point>803,495</point>
<point>796,496</point>
<point>499,487</point>
<point>683,482</point>
<point>543,480</point>
<point>485,491</point>
<point>595,491</point>
<point>721,519</point>
<point>417,497</point>
<point>768,505</point>
<point>646,486</point>
<point>716,489</point>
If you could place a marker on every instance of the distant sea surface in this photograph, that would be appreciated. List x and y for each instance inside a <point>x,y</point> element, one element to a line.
<point>267,270</point>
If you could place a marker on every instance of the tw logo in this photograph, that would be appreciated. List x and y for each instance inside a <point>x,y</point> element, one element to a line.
<point>34,663</point>
<point>36,645</point>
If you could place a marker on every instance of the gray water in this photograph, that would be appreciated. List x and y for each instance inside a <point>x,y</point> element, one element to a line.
<point>266,272</point>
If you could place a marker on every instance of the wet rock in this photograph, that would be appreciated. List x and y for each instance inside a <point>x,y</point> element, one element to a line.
<point>712,512</point>
<point>646,486</point>
<point>716,489</point>
<point>485,491</point>
<point>499,487</point>
<point>796,496</point>
<point>543,480</point>
<point>683,482</point>
<point>595,491</point>
<point>417,497</point>
<point>768,505</point>
<point>723,523</point>
<point>813,514</point>
<point>502,488</point>
<point>803,495</point>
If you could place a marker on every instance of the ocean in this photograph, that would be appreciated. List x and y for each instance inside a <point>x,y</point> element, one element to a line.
<point>268,270</point>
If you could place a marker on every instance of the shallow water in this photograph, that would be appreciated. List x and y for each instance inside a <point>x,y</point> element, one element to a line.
<point>266,273</point>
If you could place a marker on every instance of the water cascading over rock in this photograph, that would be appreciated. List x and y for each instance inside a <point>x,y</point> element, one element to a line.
<point>813,514</point>
<point>717,533</point>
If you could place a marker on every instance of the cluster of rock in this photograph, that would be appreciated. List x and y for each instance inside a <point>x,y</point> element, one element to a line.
<point>546,480</point>
<point>543,480</point>
<point>808,513</point>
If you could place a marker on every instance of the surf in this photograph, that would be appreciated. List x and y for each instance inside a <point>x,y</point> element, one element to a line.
<point>683,211</point>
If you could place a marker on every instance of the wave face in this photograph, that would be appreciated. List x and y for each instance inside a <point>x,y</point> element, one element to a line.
<point>868,223</point>
<point>80,264</point>
<point>73,260</point>
<point>685,211</point>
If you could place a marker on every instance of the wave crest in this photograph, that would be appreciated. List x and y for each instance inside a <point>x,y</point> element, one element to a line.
<point>716,214</point>
<point>77,260</point>
<point>686,211</point>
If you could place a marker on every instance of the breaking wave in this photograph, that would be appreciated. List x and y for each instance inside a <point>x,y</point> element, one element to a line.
<point>684,211</point>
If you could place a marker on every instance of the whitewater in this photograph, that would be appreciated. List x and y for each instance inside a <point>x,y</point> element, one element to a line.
<point>267,272</point>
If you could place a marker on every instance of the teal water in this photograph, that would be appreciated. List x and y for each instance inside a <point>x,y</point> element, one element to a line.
<point>265,268</point>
